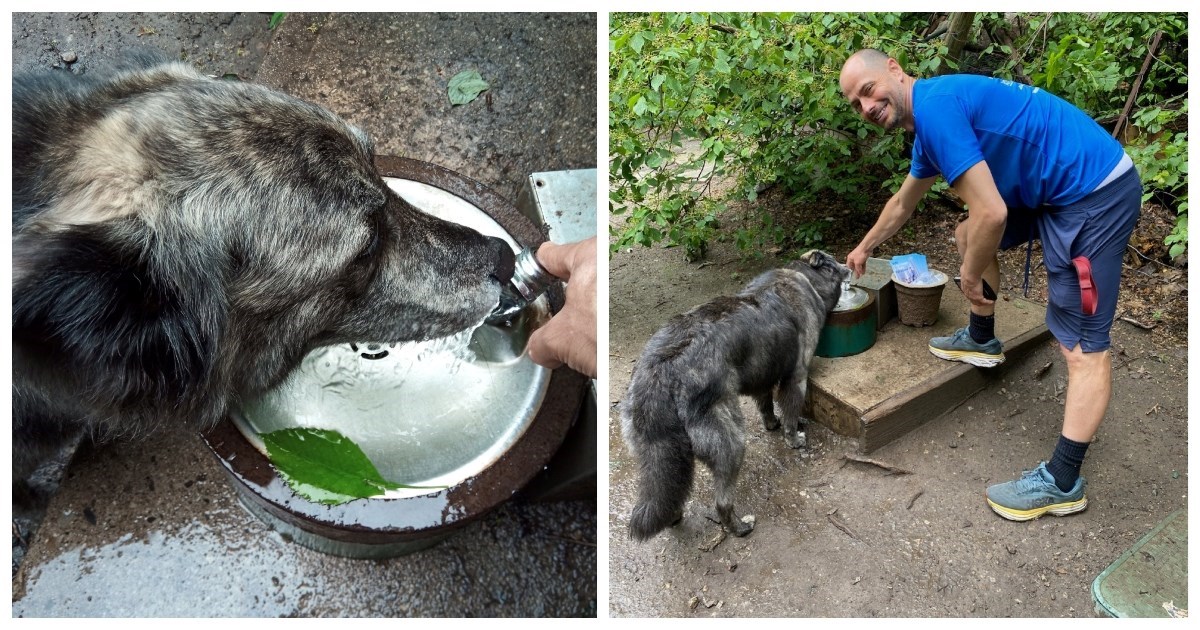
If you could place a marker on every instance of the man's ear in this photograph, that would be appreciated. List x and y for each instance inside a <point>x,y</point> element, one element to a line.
<point>96,307</point>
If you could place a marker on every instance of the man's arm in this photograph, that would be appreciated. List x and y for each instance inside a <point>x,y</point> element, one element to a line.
<point>895,214</point>
<point>988,214</point>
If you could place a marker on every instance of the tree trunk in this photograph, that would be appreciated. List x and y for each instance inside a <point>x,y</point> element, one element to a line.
<point>956,39</point>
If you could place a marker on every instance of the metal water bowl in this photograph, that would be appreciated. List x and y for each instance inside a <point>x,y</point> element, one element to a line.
<point>850,327</point>
<point>470,414</point>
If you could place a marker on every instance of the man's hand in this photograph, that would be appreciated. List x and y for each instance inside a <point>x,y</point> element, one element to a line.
<point>972,288</point>
<point>895,213</point>
<point>985,227</point>
<point>857,261</point>
<point>570,336</point>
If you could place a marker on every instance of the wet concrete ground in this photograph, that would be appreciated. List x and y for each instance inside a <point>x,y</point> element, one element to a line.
<point>151,527</point>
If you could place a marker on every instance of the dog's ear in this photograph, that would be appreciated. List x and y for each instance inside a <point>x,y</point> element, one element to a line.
<point>363,191</point>
<point>338,160</point>
<point>91,302</point>
<point>811,258</point>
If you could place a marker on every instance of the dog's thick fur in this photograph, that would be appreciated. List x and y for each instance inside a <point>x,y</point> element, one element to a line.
<point>179,243</point>
<point>683,404</point>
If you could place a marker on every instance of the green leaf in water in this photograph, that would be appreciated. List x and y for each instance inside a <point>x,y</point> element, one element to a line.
<point>466,87</point>
<point>325,466</point>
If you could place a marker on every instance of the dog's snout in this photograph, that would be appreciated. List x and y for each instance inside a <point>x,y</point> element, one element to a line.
<point>505,260</point>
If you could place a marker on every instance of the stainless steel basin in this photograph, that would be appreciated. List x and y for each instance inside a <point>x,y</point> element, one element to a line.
<point>469,414</point>
<point>427,414</point>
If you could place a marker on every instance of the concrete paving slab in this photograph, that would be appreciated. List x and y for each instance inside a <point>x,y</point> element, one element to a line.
<point>855,397</point>
<point>1150,579</point>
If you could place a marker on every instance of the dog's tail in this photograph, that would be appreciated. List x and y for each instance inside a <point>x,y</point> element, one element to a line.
<point>665,465</point>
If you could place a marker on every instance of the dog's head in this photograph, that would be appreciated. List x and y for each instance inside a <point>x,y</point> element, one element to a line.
<point>181,235</point>
<point>822,263</point>
<point>824,272</point>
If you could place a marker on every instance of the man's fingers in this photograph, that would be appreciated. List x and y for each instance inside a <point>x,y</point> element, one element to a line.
<point>563,340</point>
<point>559,260</point>
<point>541,343</point>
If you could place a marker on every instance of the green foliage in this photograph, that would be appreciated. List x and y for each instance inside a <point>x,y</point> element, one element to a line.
<point>747,98</point>
<point>707,108</point>
<point>1178,238</point>
<point>1093,60</point>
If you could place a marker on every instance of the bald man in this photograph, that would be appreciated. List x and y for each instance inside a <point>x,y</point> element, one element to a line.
<point>1028,165</point>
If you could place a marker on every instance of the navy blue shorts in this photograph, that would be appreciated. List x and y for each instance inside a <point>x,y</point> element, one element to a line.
<point>1097,226</point>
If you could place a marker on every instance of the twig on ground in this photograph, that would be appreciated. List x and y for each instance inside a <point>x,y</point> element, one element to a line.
<point>1042,370</point>
<point>1128,361</point>
<point>914,499</point>
<point>1142,325</point>
<point>837,522</point>
<point>1147,258</point>
<point>875,462</point>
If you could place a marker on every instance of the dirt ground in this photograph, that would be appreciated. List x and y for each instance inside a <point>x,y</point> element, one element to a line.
<point>837,538</point>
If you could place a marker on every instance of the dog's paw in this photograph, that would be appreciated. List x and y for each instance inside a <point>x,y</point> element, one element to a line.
<point>798,440</point>
<point>744,526</point>
<point>770,423</point>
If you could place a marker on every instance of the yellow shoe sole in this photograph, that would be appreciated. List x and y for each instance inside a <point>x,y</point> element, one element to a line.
<point>974,358</point>
<point>1058,509</point>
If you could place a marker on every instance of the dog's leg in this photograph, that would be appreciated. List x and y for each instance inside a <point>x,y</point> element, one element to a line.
<point>791,402</point>
<point>719,442</point>
<point>36,444</point>
<point>766,405</point>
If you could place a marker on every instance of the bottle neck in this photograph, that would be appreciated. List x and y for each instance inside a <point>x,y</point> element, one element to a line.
<point>530,278</point>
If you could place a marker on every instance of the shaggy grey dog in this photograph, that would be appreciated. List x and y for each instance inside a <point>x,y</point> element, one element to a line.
<point>682,402</point>
<point>179,243</point>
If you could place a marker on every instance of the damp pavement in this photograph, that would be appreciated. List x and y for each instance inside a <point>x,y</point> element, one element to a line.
<point>150,526</point>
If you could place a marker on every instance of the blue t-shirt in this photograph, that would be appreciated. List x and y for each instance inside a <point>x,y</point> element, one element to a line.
<point>1041,150</point>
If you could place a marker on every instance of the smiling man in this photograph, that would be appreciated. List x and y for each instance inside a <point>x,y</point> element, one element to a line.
<point>1028,165</point>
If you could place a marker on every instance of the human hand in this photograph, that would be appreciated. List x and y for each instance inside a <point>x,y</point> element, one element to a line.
<point>972,288</point>
<point>857,261</point>
<point>570,336</point>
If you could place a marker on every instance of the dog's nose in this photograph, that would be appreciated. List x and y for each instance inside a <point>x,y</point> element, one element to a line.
<point>505,260</point>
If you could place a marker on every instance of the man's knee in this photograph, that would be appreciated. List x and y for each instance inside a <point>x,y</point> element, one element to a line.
<point>1077,358</point>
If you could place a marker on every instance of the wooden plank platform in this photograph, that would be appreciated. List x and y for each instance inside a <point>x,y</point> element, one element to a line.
<point>896,385</point>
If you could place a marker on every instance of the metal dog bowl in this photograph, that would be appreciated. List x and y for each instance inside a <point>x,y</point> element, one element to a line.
<point>469,414</point>
<point>850,327</point>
